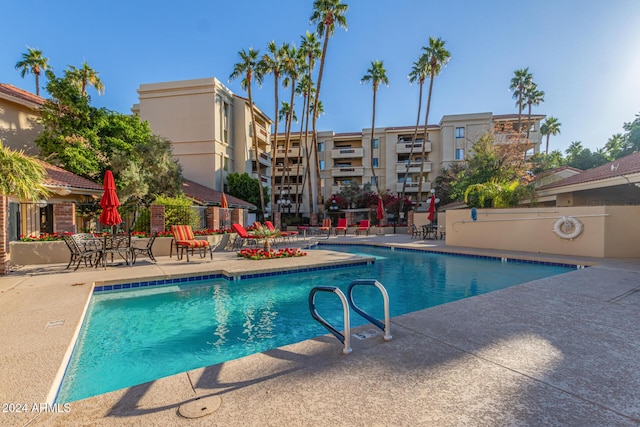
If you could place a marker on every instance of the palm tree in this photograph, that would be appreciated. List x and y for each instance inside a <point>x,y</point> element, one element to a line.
<point>438,59</point>
<point>376,75</point>
<point>418,73</point>
<point>274,64</point>
<point>535,97</point>
<point>33,62</point>
<point>20,175</point>
<point>85,76</point>
<point>520,82</point>
<point>326,14</point>
<point>551,126</point>
<point>248,69</point>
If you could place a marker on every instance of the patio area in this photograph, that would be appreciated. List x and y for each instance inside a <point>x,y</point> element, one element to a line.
<point>557,351</point>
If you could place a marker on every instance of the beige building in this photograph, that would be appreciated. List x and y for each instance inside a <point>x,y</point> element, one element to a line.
<point>345,158</point>
<point>209,127</point>
<point>19,118</point>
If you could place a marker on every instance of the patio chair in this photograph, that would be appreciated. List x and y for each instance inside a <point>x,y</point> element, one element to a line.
<point>415,233</point>
<point>363,227</point>
<point>242,236</point>
<point>143,250</point>
<point>342,226</point>
<point>82,249</point>
<point>185,241</point>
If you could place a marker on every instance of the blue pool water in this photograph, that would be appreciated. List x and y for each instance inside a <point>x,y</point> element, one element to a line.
<point>134,336</point>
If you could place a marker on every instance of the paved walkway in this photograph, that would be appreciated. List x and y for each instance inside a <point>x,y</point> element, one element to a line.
<point>563,350</point>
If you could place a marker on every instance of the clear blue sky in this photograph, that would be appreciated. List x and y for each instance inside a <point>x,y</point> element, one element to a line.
<point>585,54</point>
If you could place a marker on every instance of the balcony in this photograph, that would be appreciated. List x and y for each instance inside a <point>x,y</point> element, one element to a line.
<point>264,158</point>
<point>291,170</point>
<point>412,187</point>
<point>347,171</point>
<point>405,146</point>
<point>288,188</point>
<point>347,153</point>
<point>291,152</point>
<point>414,167</point>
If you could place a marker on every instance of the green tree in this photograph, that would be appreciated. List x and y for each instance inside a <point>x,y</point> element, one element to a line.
<point>177,211</point>
<point>497,194</point>
<point>535,97</point>
<point>582,158</point>
<point>520,84</point>
<point>246,188</point>
<point>326,14</point>
<point>376,74</point>
<point>615,146</point>
<point>541,162</point>
<point>33,62</point>
<point>292,70</point>
<point>248,70</point>
<point>438,57</point>
<point>85,76</point>
<point>273,62</point>
<point>20,175</point>
<point>632,136</point>
<point>550,126</point>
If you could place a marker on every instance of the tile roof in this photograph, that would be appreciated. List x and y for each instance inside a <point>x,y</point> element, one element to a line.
<point>21,94</point>
<point>210,196</point>
<point>58,177</point>
<point>623,166</point>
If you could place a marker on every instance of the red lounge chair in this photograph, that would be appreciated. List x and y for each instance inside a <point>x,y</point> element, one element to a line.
<point>185,241</point>
<point>326,225</point>
<point>342,226</point>
<point>243,236</point>
<point>284,234</point>
<point>363,227</point>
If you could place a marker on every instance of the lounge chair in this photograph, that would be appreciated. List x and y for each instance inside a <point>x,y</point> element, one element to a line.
<point>363,227</point>
<point>326,225</point>
<point>242,236</point>
<point>342,226</point>
<point>143,250</point>
<point>184,241</point>
<point>286,235</point>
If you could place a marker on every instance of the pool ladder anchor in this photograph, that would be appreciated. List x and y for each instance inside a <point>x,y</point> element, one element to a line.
<point>347,301</point>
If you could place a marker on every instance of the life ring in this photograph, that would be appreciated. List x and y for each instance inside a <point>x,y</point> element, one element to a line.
<point>568,227</point>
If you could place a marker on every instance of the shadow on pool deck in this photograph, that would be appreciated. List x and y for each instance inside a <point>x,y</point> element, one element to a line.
<point>557,351</point>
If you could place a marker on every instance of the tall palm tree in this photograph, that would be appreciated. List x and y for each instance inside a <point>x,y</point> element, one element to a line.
<point>33,62</point>
<point>520,82</point>
<point>326,14</point>
<point>20,175</point>
<point>85,76</point>
<point>293,68</point>
<point>376,74</point>
<point>438,59</point>
<point>248,70</point>
<point>419,72</point>
<point>273,63</point>
<point>550,126</point>
<point>533,97</point>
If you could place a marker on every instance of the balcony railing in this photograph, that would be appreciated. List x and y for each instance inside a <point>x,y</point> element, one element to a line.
<point>414,167</point>
<point>405,147</point>
<point>348,171</point>
<point>347,152</point>
<point>263,158</point>
<point>412,187</point>
<point>291,152</point>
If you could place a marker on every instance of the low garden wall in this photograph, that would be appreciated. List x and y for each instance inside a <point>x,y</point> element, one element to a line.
<point>55,252</point>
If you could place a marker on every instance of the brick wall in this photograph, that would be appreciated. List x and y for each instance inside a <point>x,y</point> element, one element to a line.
<point>4,235</point>
<point>157,218</point>
<point>64,217</point>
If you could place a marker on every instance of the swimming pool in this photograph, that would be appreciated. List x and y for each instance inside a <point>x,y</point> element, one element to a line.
<point>134,336</point>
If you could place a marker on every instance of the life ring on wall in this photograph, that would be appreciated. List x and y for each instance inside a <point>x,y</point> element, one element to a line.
<point>568,227</point>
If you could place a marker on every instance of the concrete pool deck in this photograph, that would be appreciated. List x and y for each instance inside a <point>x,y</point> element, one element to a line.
<point>564,350</point>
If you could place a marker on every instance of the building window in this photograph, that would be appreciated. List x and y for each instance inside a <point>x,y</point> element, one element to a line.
<point>532,128</point>
<point>321,165</point>
<point>459,154</point>
<point>320,147</point>
<point>373,180</point>
<point>225,166</point>
<point>460,132</point>
<point>225,123</point>
<point>376,143</point>
<point>375,162</point>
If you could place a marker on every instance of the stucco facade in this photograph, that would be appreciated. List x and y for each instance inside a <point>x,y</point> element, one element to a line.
<point>19,118</point>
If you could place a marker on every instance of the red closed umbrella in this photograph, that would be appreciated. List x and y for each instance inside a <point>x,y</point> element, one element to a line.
<point>223,202</point>
<point>380,210</point>
<point>109,202</point>
<point>432,208</point>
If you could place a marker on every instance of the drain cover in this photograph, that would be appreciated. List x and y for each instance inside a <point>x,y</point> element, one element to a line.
<point>200,407</point>
<point>54,324</point>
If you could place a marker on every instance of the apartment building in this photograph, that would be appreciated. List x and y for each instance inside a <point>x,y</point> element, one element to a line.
<point>346,158</point>
<point>210,129</point>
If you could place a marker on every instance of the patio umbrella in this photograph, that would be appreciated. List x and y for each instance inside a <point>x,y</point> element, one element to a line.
<point>432,208</point>
<point>223,202</point>
<point>109,202</point>
<point>225,212</point>
<point>380,210</point>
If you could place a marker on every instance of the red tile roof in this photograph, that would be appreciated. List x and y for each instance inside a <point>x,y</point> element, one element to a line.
<point>210,196</point>
<point>21,94</point>
<point>623,166</point>
<point>59,177</point>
